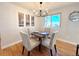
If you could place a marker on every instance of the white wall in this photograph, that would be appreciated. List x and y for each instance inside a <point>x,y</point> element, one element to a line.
<point>69,30</point>
<point>9,29</point>
<point>8,24</point>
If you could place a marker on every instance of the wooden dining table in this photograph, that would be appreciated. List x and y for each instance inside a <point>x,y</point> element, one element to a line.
<point>40,35</point>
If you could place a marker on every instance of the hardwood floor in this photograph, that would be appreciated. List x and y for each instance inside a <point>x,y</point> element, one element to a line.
<point>16,50</point>
<point>66,48</point>
<point>62,50</point>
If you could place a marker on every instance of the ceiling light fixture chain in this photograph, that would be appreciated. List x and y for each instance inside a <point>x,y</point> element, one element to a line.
<point>40,8</point>
<point>41,12</point>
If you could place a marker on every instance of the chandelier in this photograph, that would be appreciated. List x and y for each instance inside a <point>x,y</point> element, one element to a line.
<point>41,12</point>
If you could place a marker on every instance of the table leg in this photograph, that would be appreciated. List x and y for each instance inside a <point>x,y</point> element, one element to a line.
<point>40,44</point>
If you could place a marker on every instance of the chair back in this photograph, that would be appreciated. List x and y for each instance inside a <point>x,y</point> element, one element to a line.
<point>26,40</point>
<point>51,40</point>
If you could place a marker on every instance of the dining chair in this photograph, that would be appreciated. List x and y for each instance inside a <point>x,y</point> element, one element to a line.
<point>28,43</point>
<point>48,42</point>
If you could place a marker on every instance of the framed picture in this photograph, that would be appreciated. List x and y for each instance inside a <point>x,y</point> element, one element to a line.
<point>32,20</point>
<point>74,16</point>
<point>27,20</point>
<point>21,19</point>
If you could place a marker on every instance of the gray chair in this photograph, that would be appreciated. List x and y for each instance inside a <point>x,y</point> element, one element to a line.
<point>48,42</point>
<point>28,43</point>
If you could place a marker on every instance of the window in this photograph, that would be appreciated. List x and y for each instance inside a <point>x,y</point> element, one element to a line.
<point>55,22</point>
<point>21,19</point>
<point>32,20</point>
<point>52,22</point>
<point>27,20</point>
<point>47,22</point>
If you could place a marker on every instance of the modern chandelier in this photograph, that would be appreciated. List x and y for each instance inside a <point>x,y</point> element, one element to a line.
<point>41,12</point>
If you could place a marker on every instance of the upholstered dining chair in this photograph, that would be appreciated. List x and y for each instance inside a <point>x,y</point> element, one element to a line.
<point>28,43</point>
<point>48,42</point>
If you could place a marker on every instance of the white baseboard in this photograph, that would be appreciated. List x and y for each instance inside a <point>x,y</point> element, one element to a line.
<point>68,41</point>
<point>6,46</point>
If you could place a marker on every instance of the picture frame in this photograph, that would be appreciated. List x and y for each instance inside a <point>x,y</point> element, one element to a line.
<point>74,16</point>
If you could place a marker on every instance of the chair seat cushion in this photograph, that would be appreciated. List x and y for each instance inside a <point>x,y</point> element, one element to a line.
<point>46,43</point>
<point>34,43</point>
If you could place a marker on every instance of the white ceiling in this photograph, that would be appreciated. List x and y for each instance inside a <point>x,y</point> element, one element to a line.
<point>45,5</point>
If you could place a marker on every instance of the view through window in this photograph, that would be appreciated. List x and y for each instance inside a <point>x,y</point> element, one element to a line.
<point>52,21</point>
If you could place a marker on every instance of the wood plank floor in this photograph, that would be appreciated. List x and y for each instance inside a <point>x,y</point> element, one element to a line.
<point>16,50</point>
<point>65,48</point>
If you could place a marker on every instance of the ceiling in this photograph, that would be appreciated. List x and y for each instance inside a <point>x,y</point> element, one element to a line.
<point>45,5</point>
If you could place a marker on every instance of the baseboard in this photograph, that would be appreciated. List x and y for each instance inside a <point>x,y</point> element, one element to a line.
<point>6,46</point>
<point>68,41</point>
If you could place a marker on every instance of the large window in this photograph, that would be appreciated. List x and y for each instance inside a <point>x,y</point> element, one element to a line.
<point>47,22</point>
<point>53,22</point>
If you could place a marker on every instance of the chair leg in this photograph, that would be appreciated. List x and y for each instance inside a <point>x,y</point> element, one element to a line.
<point>51,52</point>
<point>28,53</point>
<point>39,47</point>
<point>23,50</point>
<point>55,48</point>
